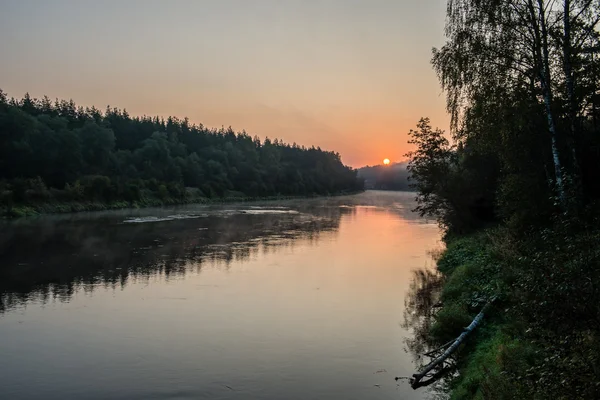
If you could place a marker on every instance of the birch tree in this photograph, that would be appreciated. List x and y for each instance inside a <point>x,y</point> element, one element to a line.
<point>538,48</point>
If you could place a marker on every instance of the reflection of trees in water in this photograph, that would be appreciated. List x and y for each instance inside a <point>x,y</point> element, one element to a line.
<point>52,258</point>
<point>421,303</point>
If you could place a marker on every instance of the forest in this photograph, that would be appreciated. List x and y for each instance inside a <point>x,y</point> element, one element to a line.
<point>386,177</point>
<point>57,156</point>
<point>516,187</point>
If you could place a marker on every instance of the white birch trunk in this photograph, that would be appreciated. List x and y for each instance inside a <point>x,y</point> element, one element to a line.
<point>541,31</point>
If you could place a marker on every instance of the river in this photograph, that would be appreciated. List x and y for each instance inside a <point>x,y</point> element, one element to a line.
<point>300,299</point>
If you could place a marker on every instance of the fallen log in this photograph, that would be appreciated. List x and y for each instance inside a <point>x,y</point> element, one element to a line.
<point>442,347</point>
<point>439,361</point>
<point>434,378</point>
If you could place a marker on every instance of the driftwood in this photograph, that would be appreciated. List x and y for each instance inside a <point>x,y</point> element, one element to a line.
<point>442,347</point>
<point>434,378</point>
<point>415,381</point>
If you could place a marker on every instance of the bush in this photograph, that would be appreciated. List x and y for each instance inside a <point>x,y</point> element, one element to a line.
<point>163,192</point>
<point>37,191</point>
<point>97,187</point>
<point>75,191</point>
<point>176,191</point>
<point>449,322</point>
<point>132,192</point>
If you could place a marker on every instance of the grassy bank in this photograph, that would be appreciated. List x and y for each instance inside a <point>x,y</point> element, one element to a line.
<point>541,339</point>
<point>57,207</point>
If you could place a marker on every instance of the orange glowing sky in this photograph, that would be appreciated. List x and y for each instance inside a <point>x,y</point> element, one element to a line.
<point>347,75</point>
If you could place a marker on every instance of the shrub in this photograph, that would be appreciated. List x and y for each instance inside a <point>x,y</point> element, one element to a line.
<point>163,192</point>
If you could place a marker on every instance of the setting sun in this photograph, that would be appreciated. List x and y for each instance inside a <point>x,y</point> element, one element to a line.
<point>386,161</point>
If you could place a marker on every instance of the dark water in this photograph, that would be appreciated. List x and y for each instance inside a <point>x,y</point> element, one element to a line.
<point>293,300</point>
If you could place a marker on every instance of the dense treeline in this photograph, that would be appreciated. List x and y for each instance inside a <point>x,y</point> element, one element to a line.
<point>385,177</point>
<point>517,191</point>
<point>59,152</point>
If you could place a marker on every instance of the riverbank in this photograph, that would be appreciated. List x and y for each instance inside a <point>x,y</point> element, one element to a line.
<point>540,339</point>
<point>55,207</point>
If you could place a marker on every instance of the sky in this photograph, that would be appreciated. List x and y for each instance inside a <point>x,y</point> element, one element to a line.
<point>352,76</point>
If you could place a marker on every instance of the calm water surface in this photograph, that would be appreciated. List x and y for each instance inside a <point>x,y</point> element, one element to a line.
<point>281,300</point>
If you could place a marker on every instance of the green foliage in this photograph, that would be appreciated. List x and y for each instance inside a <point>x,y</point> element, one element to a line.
<point>521,79</point>
<point>525,115</point>
<point>21,211</point>
<point>163,192</point>
<point>451,319</point>
<point>461,251</point>
<point>455,185</point>
<point>487,368</point>
<point>542,338</point>
<point>59,153</point>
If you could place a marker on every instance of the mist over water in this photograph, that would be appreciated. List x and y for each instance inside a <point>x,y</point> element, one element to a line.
<point>279,300</point>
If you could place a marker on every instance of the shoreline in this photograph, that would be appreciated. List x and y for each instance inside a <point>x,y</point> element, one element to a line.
<point>34,210</point>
